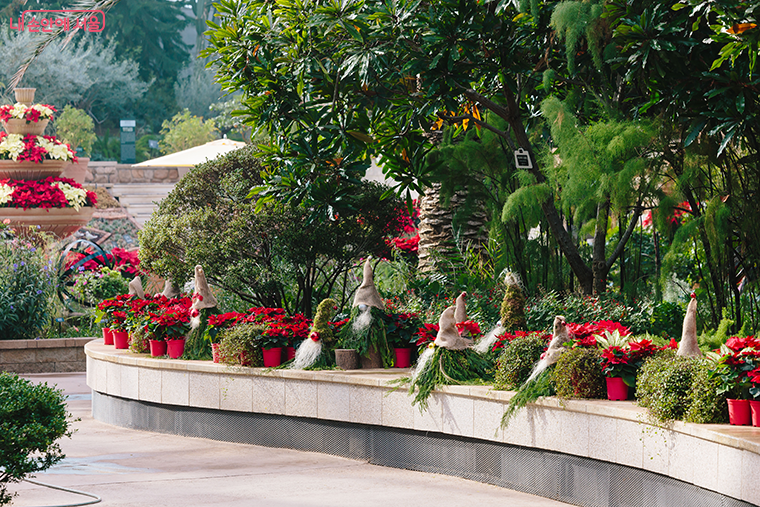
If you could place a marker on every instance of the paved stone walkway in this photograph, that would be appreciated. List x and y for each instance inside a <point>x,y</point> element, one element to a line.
<point>135,468</point>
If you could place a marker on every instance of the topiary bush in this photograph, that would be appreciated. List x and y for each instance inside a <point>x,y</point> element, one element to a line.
<point>517,361</point>
<point>513,308</point>
<point>705,405</point>
<point>664,386</point>
<point>578,374</point>
<point>32,418</point>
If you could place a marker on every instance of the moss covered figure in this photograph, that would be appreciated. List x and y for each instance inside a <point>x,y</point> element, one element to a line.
<point>315,351</point>
<point>449,360</point>
<point>513,305</point>
<point>204,306</point>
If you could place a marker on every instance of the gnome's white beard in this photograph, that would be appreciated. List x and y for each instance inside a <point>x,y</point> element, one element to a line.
<point>363,320</point>
<point>423,363</point>
<point>307,354</point>
<point>195,322</point>
<point>485,344</point>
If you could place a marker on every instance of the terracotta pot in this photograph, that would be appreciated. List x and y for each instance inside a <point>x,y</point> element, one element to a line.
<point>272,357</point>
<point>739,412</point>
<point>347,359</point>
<point>23,127</point>
<point>215,352</point>
<point>157,348</point>
<point>175,348</point>
<point>403,357</point>
<point>616,389</point>
<point>754,407</point>
<point>372,360</point>
<point>77,171</point>
<point>290,353</point>
<point>120,340</point>
<point>28,170</point>
<point>107,336</point>
<point>61,222</point>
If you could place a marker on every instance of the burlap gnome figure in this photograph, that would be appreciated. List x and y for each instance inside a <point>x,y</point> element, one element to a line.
<point>548,358</point>
<point>367,293</point>
<point>170,291</point>
<point>204,305</point>
<point>450,359</point>
<point>689,346</point>
<point>136,288</point>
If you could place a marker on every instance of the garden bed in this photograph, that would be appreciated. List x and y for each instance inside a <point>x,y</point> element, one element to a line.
<point>137,391</point>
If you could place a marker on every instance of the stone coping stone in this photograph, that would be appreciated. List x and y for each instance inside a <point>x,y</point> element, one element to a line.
<point>738,437</point>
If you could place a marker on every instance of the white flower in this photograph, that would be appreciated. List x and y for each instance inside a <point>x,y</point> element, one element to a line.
<point>77,197</point>
<point>6,193</point>
<point>18,111</point>
<point>12,145</point>
<point>55,150</point>
<point>45,112</point>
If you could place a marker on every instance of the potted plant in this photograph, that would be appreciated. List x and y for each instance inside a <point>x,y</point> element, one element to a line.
<point>272,341</point>
<point>75,127</point>
<point>241,345</point>
<point>400,330</point>
<point>732,367</point>
<point>217,324</point>
<point>754,390</point>
<point>172,323</point>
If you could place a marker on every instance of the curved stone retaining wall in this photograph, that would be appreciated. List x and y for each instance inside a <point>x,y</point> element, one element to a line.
<point>602,451</point>
<point>43,356</point>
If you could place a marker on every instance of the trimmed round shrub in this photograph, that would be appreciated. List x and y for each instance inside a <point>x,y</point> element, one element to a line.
<point>517,360</point>
<point>242,345</point>
<point>706,406</point>
<point>578,374</point>
<point>664,386</point>
<point>32,418</point>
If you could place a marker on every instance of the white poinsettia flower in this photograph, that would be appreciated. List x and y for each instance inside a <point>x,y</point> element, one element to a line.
<point>45,112</point>
<point>76,197</point>
<point>55,150</point>
<point>6,193</point>
<point>13,145</point>
<point>18,111</point>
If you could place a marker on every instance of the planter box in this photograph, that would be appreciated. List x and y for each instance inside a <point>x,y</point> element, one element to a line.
<point>43,356</point>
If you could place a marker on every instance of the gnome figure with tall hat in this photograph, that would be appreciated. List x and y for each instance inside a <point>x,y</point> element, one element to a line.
<point>365,330</point>
<point>689,346</point>
<point>450,359</point>
<point>136,288</point>
<point>170,291</point>
<point>204,305</point>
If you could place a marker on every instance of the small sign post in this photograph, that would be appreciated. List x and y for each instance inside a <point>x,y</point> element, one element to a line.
<point>128,153</point>
<point>522,159</point>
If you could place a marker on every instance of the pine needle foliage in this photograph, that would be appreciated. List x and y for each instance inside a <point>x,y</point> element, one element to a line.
<point>529,392</point>
<point>576,21</point>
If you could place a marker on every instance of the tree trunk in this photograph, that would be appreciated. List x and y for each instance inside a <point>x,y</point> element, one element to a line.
<point>599,258</point>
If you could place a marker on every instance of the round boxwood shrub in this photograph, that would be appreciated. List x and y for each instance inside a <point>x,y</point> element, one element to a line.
<point>578,374</point>
<point>32,418</point>
<point>242,345</point>
<point>706,406</point>
<point>517,361</point>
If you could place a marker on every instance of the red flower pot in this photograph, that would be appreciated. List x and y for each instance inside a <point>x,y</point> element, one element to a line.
<point>754,407</point>
<point>272,357</point>
<point>215,352</point>
<point>175,348</point>
<point>403,357</point>
<point>107,336</point>
<point>120,340</point>
<point>290,353</point>
<point>739,412</point>
<point>157,348</point>
<point>616,389</point>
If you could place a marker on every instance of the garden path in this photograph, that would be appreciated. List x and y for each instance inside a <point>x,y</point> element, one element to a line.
<point>136,468</point>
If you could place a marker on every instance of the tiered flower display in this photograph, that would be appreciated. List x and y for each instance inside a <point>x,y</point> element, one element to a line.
<point>32,193</point>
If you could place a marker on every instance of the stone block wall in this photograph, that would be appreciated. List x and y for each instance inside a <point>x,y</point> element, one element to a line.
<point>43,356</point>
<point>109,173</point>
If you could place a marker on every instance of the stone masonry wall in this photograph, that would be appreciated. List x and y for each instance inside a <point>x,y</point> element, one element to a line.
<point>105,173</point>
<point>43,356</point>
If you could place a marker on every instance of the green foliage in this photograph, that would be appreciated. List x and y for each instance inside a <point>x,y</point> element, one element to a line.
<point>196,91</point>
<point>578,374</point>
<point>705,405</point>
<point>32,419</point>
<point>667,319</point>
<point>577,308</point>
<point>184,131</point>
<point>27,285</point>
<point>529,392</point>
<point>276,256</point>
<point>106,147</point>
<point>75,127</point>
<point>664,387</point>
<point>517,361</point>
<point>321,324</point>
<point>94,286</point>
<point>242,344</point>
<point>362,338</point>
<point>139,340</point>
<point>198,343</point>
<point>713,339</point>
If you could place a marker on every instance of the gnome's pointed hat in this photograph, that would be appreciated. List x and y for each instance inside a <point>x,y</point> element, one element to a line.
<point>136,288</point>
<point>170,291</point>
<point>689,346</point>
<point>559,337</point>
<point>367,294</point>
<point>448,336</point>
<point>206,299</point>
<point>460,315</point>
